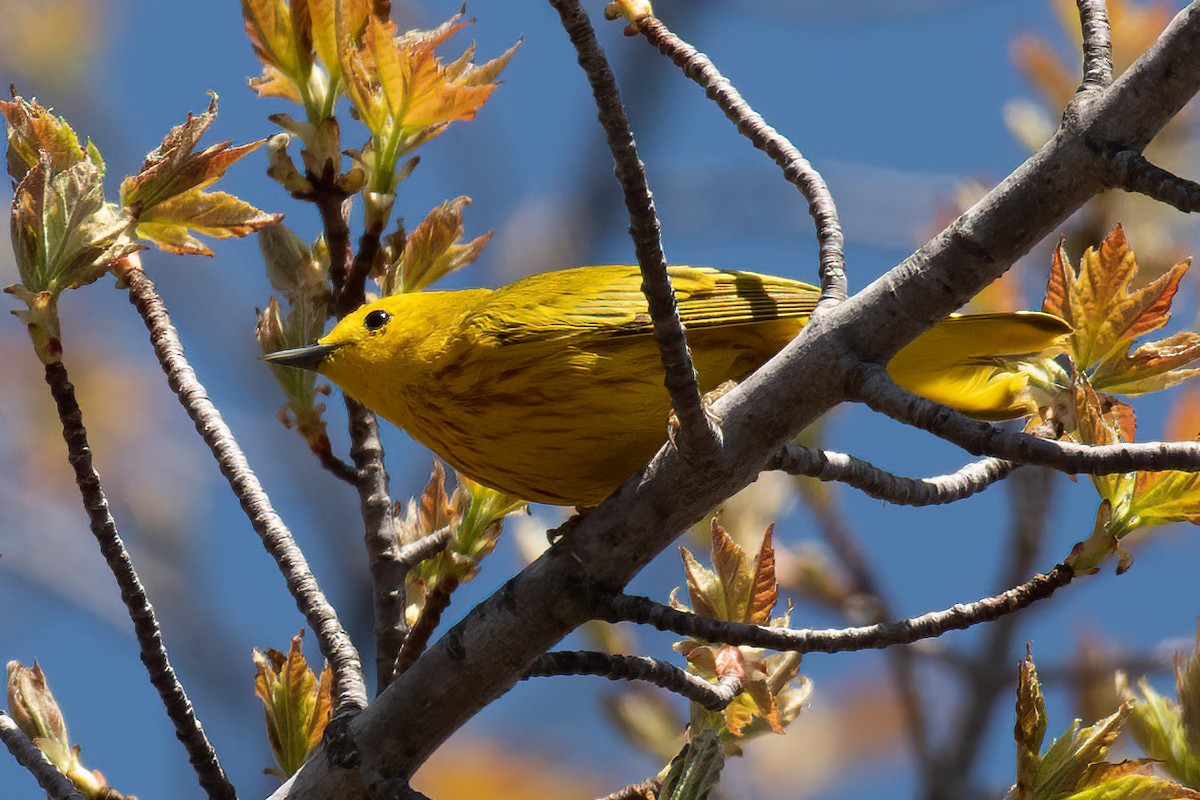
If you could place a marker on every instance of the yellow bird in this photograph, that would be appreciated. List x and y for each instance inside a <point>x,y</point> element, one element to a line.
<point>551,388</point>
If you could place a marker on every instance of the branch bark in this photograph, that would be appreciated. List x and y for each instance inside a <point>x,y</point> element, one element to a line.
<point>643,610</point>
<point>713,696</point>
<point>876,388</point>
<point>699,434</point>
<point>482,656</point>
<point>349,689</point>
<point>153,652</point>
<point>56,785</point>
<point>796,168</point>
<point>826,465</point>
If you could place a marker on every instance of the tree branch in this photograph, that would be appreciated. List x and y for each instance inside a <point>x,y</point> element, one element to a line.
<point>796,169</point>
<point>1134,173</point>
<point>381,534</point>
<point>436,603</point>
<point>1097,45</point>
<point>880,393</point>
<point>699,434</point>
<point>428,546</point>
<point>29,756</point>
<point>145,626</point>
<point>483,655</point>
<point>644,611</point>
<point>827,465</point>
<point>713,696</point>
<point>349,273</point>
<point>349,690</point>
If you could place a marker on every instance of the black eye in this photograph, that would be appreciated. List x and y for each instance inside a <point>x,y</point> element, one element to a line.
<point>376,320</point>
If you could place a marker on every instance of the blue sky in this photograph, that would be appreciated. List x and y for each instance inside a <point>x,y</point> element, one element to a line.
<point>896,103</point>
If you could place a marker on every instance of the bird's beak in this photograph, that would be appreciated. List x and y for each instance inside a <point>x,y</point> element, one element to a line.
<point>301,357</point>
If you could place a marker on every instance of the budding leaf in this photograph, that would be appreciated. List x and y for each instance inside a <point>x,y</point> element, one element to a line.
<point>1108,317</point>
<point>297,706</point>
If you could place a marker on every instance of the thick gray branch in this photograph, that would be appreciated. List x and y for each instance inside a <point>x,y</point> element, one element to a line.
<point>483,655</point>
<point>826,465</point>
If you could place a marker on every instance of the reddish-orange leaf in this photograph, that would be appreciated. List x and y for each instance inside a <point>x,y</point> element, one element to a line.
<point>764,591</point>
<point>435,511</point>
<point>1108,316</point>
<point>733,571</point>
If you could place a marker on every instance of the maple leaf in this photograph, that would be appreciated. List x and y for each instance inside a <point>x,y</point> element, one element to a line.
<point>1108,317</point>
<point>404,93</point>
<point>173,168</point>
<point>433,250</point>
<point>171,223</point>
<point>166,196</point>
<point>297,706</point>
<point>738,589</point>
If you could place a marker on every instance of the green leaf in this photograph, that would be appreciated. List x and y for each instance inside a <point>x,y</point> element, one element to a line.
<point>1135,787</point>
<point>170,224</point>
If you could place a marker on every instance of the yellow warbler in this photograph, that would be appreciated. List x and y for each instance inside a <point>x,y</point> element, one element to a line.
<point>551,388</point>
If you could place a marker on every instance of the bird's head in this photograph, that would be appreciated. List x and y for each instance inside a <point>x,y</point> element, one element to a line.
<point>370,337</point>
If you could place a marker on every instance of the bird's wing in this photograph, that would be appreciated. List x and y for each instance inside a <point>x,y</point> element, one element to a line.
<point>606,302</point>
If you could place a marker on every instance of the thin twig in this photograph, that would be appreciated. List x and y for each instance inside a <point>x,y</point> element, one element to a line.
<point>796,168</point>
<point>152,650</point>
<point>699,434</point>
<point>826,465</point>
<point>1097,45</point>
<point>436,603</point>
<point>713,696</point>
<point>349,689</point>
<point>644,611</point>
<point>56,785</point>
<point>331,205</point>
<point>1134,173</point>
<point>875,388</point>
<point>353,292</point>
<point>336,466</point>
<point>427,546</point>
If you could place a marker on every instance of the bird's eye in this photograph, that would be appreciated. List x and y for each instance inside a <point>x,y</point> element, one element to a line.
<point>376,320</point>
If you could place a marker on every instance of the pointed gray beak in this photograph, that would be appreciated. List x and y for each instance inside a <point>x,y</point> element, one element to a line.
<point>301,357</point>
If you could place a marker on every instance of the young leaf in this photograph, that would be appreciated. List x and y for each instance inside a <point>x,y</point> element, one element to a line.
<point>1108,317</point>
<point>173,169</point>
<point>33,130</point>
<point>433,250</point>
<point>171,223</point>
<point>296,705</point>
